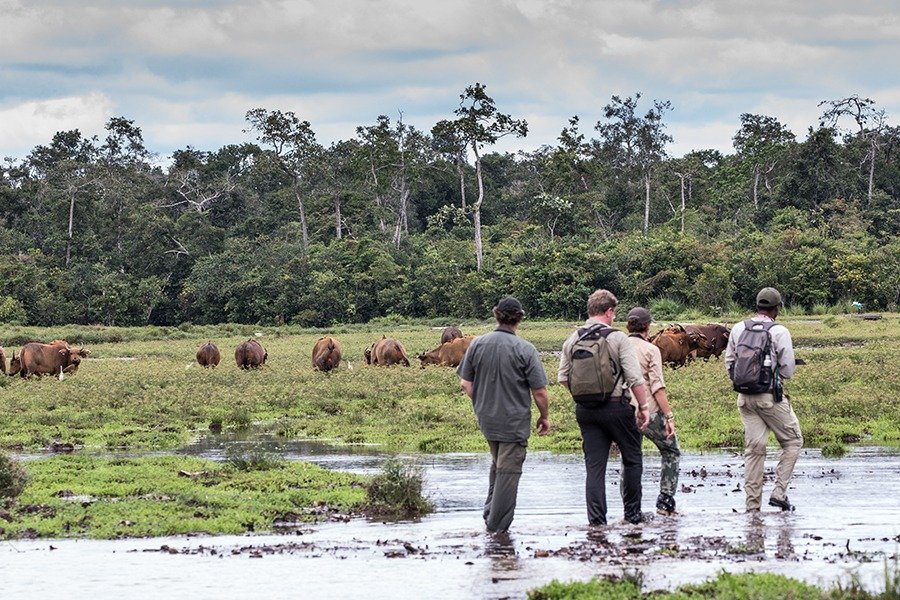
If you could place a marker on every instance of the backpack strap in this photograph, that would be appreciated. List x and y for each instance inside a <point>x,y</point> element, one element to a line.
<point>601,332</point>
<point>598,329</point>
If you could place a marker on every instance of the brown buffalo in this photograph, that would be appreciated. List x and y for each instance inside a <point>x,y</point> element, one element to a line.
<point>81,352</point>
<point>55,358</point>
<point>675,344</point>
<point>450,333</point>
<point>250,354</point>
<point>716,336</point>
<point>208,355</point>
<point>2,361</point>
<point>15,364</point>
<point>449,354</point>
<point>326,354</point>
<point>386,351</point>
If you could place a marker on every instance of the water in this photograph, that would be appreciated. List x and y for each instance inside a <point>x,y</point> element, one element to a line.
<point>848,520</point>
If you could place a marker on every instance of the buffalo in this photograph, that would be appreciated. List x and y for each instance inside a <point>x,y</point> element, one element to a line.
<point>450,333</point>
<point>449,354</point>
<point>15,364</point>
<point>250,354</point>
<point>54,358</point>
<point>386,351</point>
<point>716,336</point>
<point>2,361</point>
<point>208,355</point>
<point>326,354</point>
<point>675,344</point>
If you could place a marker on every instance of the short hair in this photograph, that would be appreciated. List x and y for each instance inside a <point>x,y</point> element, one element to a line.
<point>508,317</point>
<point>637,326</point>
<point>601,301</point>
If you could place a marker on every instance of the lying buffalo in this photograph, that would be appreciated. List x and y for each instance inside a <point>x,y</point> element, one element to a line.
<point>449,354</point>
<point>450,333</point>
<point>675,344</point>
<point>208,355</point>
<point>386,351</point>
<point>250,354</point>
<point>55,358</point>
<point>326,354</point>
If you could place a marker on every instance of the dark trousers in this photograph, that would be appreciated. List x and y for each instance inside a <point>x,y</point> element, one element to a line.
<point>507,459</point>
<point>600,427</point>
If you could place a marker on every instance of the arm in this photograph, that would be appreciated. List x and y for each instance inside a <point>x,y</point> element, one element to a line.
<point>643,412</point>
<point>466,386</point>
<point>542,400</point>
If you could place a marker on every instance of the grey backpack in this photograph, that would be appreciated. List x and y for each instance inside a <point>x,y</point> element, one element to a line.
<point>594,374</point>
<point>749,372</point>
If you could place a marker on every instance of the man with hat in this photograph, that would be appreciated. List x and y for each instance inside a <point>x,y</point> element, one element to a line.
<point>768,410</point>
<point>661,429</point>
<point>605,420</point>
<point>501,373</point>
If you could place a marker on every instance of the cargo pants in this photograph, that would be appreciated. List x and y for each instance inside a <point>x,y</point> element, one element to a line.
<point>507,459</point>
<point>669,452</point>
<point>761,414</point>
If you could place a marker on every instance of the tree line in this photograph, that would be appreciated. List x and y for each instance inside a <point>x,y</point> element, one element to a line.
<point>399,222</point>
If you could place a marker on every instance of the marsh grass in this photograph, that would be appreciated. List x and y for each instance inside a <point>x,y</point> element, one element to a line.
<point>149,393</point>
<point>396,492</point>
<point>82,496</point>
<point>13,477</point>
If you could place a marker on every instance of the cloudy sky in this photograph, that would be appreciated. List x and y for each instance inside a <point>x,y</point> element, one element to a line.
<point>187,71</point>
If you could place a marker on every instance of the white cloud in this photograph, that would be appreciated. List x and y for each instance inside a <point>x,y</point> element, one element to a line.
<point>26,125</point>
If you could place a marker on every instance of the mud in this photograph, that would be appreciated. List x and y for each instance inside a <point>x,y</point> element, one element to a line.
<point>848,520</point>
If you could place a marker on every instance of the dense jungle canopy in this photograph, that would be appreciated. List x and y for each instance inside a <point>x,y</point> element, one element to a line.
<point>403,223</point>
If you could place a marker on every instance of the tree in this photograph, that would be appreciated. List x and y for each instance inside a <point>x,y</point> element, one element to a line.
<point>294,144</point>
<point>480,124</point>
<point>870,121</point>
<point>637,144</point>
<point>761,141</point>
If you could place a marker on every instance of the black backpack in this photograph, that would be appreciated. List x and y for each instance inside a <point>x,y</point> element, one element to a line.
<point>749,374</point>
<point>594,375</point>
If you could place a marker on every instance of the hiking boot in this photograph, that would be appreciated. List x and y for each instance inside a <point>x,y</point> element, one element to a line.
<point>784,504</point>
<point>665,505</point>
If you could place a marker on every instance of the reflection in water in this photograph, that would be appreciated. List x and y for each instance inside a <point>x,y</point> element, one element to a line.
<point>501,549</point>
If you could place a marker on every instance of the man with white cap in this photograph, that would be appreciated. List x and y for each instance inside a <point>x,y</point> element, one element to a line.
<point>763,405</point>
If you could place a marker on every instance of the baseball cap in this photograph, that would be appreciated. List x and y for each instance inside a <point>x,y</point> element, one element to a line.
<point>508,304</point>
<point>768,297</point>
<point>640,315</point>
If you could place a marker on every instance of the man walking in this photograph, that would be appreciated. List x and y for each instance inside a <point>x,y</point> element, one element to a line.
<point>599,366</point>
<point>760,354</point>
<point>501,373</point>
<point>661,429</point>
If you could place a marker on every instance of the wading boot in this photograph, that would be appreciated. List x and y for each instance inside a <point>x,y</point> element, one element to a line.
<point>665,505</point>
<point>784,504</point>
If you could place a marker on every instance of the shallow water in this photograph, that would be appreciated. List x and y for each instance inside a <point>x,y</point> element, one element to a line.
<point>848,520</point>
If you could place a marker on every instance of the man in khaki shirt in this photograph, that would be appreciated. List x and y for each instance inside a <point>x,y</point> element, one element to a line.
<point>661,429</point>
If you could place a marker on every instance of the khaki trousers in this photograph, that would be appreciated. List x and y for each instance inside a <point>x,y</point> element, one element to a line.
<point>761,414</point>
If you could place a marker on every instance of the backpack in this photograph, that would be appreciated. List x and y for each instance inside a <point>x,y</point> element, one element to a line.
<point>594,375</point>
<point>748,372</point>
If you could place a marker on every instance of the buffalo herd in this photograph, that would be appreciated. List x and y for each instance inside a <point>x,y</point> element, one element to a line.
<point>678,345</point>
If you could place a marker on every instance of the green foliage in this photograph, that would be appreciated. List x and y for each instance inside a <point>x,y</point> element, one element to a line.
<point>397,491</point>
<point>13,477</point>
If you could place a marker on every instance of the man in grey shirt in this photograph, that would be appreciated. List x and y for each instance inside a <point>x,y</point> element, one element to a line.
<point>501,373</point>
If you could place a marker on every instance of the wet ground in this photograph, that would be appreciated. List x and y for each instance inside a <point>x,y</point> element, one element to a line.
<point>848,521</point>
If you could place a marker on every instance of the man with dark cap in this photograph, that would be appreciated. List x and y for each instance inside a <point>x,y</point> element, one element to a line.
<point>767,410</point>
<point>661,429</point>
<point>501,373</point>
<point>607,417</point>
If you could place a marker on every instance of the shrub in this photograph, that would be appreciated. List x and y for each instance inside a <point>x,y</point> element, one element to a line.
<point>666,309</point>
<point>397,491</point>
<point>252,457</point>
<point>12,477</point>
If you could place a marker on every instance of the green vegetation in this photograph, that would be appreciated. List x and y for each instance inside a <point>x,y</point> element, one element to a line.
<point>82,496</point>
<point>727,586</point>
<point>397,491</point>
<point>12,477</point>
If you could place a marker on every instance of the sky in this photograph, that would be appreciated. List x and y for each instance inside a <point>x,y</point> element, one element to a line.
<point>187,71</point>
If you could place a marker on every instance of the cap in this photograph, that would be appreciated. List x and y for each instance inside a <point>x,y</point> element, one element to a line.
<point>640,315</point>
<point>768,298</point>
<point>508,304</point>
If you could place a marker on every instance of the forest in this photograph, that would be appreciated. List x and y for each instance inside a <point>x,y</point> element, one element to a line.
<point>399,223</point>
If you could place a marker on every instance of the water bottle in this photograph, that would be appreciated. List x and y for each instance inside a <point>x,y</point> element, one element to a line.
<point>767,361</point>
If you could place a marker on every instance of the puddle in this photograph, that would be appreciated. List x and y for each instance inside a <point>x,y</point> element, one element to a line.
<point>848,519</point>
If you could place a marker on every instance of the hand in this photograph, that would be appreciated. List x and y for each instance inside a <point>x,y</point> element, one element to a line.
<point>642,417</point>
<point>670,429</point>
<point>543,426</point>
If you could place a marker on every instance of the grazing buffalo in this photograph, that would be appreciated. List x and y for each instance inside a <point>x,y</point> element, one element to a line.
<point>449,354</point>
<point>55,358</point>
<point>2,361</point>
<point>716,336</point>
<point>450,333</point>
<point>15,364</point>
<point>250,354</point>
<point>675,344</point>
<point>326,354</point>
<point>208,355</point>
<point>386,351</point>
